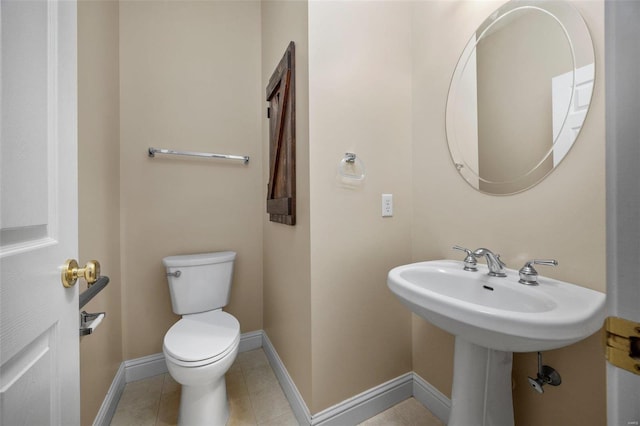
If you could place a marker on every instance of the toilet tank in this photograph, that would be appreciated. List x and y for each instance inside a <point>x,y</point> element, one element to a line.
<point>199,282</point>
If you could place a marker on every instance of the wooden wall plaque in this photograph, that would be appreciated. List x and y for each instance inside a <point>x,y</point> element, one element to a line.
<point>281,190</point>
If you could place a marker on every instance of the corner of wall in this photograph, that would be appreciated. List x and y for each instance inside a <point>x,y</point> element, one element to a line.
<point>286,249</point>
<point>360,95</point>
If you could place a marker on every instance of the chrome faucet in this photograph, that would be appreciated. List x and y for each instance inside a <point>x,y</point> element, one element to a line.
<point>470,262</point>
<point>528,274</point>
<point>496,266</point>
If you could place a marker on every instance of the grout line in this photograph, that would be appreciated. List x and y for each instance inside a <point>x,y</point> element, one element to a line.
<point>164,378</point>
<point>253,411</point>
<point>162,393</point>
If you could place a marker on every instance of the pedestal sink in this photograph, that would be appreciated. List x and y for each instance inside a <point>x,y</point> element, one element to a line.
<point>492,317</point>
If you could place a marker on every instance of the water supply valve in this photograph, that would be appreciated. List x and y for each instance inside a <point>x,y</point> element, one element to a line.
<point>546,376</point>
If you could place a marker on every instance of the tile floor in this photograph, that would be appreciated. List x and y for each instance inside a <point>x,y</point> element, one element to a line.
<point>255,398</point>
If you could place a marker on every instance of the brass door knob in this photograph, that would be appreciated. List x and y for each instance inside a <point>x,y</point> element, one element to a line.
<point>71,272</point>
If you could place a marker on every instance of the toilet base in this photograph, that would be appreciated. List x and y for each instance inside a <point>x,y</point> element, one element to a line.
<point>204,392</point>
<point>204,405</point>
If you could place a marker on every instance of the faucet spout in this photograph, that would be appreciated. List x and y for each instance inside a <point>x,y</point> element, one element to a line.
<point>496,266</point>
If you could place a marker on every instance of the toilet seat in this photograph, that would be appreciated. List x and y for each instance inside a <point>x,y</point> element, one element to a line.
<point>202,339</point>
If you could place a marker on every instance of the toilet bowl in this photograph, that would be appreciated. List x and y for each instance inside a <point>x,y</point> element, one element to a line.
<point>201,347</point>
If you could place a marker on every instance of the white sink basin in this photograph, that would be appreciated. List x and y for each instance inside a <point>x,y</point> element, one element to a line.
<point>498,313</point>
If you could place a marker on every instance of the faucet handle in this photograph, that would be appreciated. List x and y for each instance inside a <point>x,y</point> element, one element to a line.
<point>466,250</point>
<point>528,274</point>
<point>470,262</point>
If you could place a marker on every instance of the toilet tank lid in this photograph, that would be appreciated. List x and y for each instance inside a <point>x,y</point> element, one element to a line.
<point>199,259</point>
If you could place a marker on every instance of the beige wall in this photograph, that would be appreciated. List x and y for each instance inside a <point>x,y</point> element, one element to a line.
<point>325,278</point>
<point>359,101</point>
<point>99,193</point>
<point>189,80</point>
<point>372,78</point>
<point>563,217</point>
<point>286,249</point>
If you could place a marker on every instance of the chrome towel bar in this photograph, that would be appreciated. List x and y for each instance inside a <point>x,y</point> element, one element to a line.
<point>154,151</point>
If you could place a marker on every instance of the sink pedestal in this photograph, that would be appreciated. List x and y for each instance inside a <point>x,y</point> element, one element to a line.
<point>481,392</point>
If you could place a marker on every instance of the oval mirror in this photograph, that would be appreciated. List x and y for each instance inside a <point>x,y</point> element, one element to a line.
<point>519,95</point>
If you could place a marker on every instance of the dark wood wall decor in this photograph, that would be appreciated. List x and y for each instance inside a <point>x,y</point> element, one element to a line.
<point>281,95</point>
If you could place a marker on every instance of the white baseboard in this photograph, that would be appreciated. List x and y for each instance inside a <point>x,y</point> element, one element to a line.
<point>250,341</point>
<point>349,412</point>
<point>110,403</point>
<point>299,407</point>
<point>145,367</point>
<point>432,398</point>
<point>361,407</point>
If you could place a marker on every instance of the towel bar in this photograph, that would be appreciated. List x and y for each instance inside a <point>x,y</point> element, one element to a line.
<point>154,151</point>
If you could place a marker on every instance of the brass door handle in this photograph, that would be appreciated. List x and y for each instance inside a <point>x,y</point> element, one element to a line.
<point>71,272</point>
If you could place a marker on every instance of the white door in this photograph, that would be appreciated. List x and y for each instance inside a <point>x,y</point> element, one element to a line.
<point>622,69</point>
<point>570,98</point>
<point>39,366</point>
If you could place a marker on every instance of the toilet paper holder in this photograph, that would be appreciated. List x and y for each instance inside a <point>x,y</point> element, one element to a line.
<point>89,322</point>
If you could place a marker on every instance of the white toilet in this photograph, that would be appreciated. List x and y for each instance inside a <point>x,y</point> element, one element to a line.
<point>200,347</point>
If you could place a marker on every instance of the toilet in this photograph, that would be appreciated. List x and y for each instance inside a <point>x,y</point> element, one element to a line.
<point>202,345</point>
